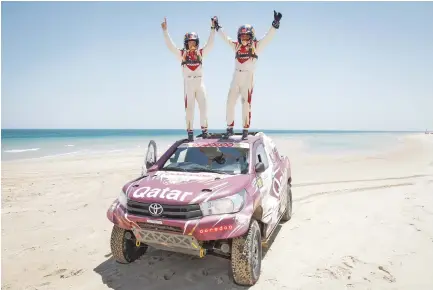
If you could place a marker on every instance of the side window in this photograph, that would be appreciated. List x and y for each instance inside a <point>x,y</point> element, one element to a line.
<point>261,156</point>
<point>178,156</point>
<point>272,150</point>
<point>182,156</point>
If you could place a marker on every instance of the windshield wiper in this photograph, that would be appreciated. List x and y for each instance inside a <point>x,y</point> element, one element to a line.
<point>173,169</point>
<point>204,169</point>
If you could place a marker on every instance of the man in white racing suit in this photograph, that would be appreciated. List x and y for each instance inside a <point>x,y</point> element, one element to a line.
<point>246,48</point>
<point>190,57</point>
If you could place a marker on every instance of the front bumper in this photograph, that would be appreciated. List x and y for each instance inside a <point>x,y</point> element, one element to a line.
<point>216,227</point>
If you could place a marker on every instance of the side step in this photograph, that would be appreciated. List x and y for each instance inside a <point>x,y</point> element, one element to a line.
<point>265,241</point>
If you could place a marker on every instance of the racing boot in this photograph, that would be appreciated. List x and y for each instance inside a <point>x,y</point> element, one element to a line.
<point>205,133</point>
<point>190,136</point>
<point>228,133</point>
<point>245,134</point>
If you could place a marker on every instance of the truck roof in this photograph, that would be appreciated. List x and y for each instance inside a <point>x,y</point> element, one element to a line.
<point>236,138</point>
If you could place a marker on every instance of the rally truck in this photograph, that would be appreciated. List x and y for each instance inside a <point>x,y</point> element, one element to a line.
<point>210,196</point>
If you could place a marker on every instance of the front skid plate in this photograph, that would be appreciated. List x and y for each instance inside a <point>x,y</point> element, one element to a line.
<point>169,241</point>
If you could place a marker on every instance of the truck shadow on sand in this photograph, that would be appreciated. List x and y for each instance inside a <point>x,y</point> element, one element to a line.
<point>161,270</point>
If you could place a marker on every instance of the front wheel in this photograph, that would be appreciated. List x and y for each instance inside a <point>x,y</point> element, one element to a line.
<point>123,248</point>
<point>246,258</point>
<point>288,212</point>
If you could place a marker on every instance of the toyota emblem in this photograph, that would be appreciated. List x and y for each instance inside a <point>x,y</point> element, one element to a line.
<point>155,209</point>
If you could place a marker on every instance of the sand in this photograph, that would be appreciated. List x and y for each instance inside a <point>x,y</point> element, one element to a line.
<point>360,221</point>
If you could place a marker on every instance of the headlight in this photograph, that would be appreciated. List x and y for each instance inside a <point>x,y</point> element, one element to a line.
<point>122,198</point>
<point>224,205</point>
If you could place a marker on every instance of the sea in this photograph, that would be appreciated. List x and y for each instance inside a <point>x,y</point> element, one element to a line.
<point>50,143</point>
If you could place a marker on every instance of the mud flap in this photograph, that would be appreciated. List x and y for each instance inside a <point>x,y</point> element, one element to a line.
<point>150,158</point>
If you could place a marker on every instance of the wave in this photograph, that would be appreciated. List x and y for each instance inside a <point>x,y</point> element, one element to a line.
<point>20,150</point>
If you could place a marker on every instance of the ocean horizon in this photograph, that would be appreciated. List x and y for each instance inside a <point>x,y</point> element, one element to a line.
<point>41,143</point>
<point>77,132</point>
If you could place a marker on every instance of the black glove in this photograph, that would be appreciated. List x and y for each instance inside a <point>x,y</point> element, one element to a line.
<point>217,26</point>
<point>277,18</point>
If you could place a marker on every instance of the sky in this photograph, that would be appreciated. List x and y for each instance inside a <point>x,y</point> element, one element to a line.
<point>330,66</point>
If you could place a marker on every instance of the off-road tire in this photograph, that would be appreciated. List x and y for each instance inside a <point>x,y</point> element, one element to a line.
<point>287,215</point>
<point>124,250</point>
<point>244,255</point>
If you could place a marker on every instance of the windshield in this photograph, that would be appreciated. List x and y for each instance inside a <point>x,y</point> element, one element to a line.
<point>219,159</point>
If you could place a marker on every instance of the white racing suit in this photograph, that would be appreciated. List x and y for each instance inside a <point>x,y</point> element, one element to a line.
<point>243,77</point>
<point>194,88</point>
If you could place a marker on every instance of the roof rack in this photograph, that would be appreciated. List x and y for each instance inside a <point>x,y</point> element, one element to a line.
<point>222,135</point>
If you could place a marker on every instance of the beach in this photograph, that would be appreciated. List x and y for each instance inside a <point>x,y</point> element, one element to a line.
<point>362,219</point>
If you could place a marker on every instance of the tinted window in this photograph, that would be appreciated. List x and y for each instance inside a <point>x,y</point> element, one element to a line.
<point>261,156</point>
<point>231,160</point>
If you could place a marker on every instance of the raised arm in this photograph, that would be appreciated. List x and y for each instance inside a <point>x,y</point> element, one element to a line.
<point>224,36</point>
<point>171,46</point>
<point>261,43</point>
<point>270,34</point>
<point>227,39</point>
<point>209,44</point>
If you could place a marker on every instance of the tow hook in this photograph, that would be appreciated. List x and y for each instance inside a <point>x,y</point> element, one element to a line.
<point>129,236</point>
<point>202,252</point>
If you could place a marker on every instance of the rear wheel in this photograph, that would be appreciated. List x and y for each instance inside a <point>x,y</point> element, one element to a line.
<point>123,246</point>
<point>246,259</point>
<point>288,213</point>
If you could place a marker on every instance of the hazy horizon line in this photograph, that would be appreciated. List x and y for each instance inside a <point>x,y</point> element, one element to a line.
<point>216,129</point>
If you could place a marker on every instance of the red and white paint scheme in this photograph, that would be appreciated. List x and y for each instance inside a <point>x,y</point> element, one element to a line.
<point>184,203</point>
<point>243,77</point>
<point>192,70</point>
<point>265,189</point>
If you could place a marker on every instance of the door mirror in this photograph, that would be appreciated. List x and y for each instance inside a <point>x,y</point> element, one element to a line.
<point>260,167</point>
<point>150,158</point>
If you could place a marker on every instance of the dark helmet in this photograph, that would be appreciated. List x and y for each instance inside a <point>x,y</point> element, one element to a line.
<point>247,30</point>
<point>190,36</point>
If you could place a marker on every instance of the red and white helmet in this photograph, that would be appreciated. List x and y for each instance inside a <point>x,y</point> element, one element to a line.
<point>246,29</point>
<point>190,36</point>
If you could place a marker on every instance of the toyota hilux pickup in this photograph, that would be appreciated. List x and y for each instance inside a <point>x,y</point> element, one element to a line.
<point>211,196</point>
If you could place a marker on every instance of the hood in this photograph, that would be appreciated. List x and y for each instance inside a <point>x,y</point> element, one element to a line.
<point>168,187</point>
